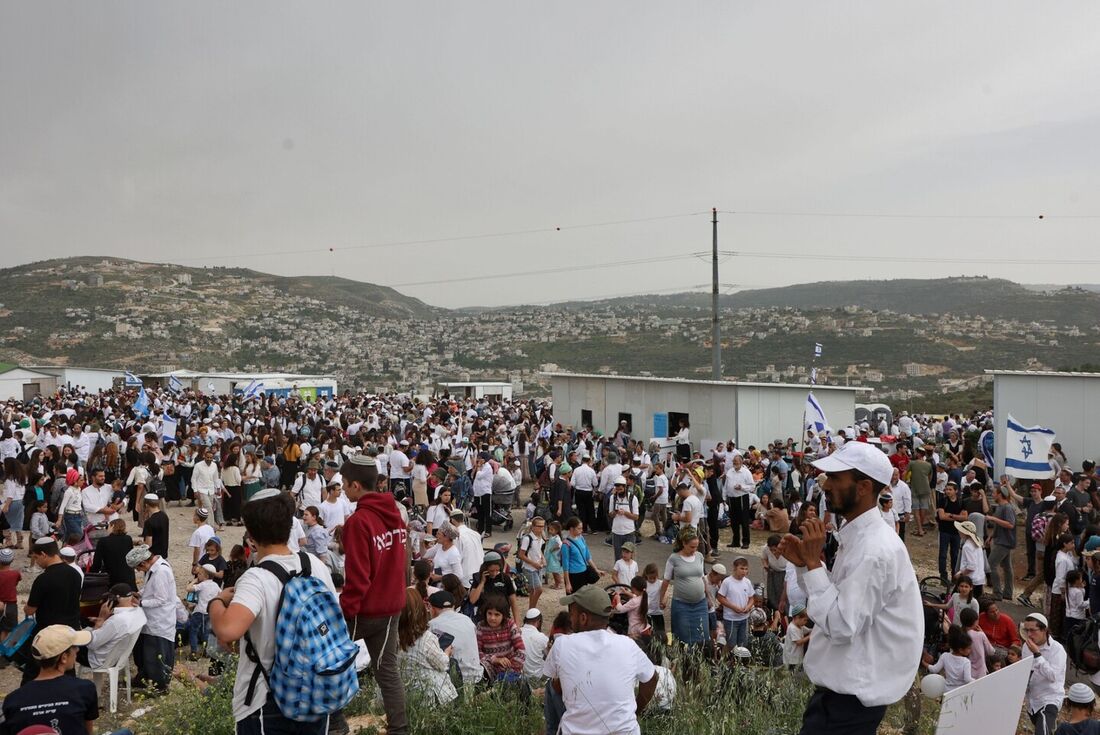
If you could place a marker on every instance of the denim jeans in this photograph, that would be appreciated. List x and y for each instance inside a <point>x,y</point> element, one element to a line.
<point>737,632</point>
<point>198,630</point>
<point>690,623</point>
<point>952,542</point>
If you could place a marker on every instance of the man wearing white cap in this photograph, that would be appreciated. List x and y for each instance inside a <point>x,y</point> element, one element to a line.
<point>1047,685</point>
<point>534,644</point>
<point>855,657</point>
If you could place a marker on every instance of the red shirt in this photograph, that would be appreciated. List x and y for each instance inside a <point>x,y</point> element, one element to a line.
<point>9,578</point>
<point>1001,631</point>
<point>901,461</point>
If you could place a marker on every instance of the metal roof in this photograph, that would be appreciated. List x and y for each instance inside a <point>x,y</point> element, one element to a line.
<point>722,383</point>
<point>1043,373</point>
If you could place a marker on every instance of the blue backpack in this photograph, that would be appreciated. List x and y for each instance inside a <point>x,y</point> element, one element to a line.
<point>313,674</point>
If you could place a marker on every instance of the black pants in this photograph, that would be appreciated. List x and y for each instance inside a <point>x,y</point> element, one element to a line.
<point>232,503</point>
<point>740,519</point>
<point>585,508</point>
<point>485,513</point>
<point>842,714</point>
<point>901,530</point>
<point>712,523</point>
<point>1031,551</point>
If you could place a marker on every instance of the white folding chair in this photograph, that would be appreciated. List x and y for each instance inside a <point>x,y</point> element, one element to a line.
<point>118,661</point>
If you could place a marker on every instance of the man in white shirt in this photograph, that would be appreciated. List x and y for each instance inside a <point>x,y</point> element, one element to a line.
<point>159,601</point>
<point>469,547</point>
<point>584,481</point>
<point>116,621</point>
<point>534,645</point>
<point>598,697</point>
<point>400,467</point>
<point>691,507</point>
<point>622,509</point>
<point>309,488</point>
<point>737,485</point>
<point>903,500</point>
<point>483,494</point>
<point>204,480</point>
<point>96,500</point>
<point>855,657</point>
<point>1046,687</point>
<point>445,620</point>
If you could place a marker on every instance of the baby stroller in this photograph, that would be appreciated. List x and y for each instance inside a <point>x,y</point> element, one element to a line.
<point>504,494</point>
<point>85,548</point>
<point>936,591</point>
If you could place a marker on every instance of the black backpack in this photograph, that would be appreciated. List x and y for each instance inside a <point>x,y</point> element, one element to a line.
<point>1082,646</point>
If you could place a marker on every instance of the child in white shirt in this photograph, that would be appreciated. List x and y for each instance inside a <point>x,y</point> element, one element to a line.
<point>797,638</point>
<point>1077,607</point>
<point>205,589</point>
<point>626,568</point>
<point>886,508</point>
<point>955,664</point>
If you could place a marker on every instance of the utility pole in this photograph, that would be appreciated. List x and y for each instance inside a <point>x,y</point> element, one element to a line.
<point>715,332</point>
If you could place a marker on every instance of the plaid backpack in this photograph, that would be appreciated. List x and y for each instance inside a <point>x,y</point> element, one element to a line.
<point>313,674</point>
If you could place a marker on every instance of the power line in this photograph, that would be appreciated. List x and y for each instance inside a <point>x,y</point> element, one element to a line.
<point>910,259</point>
<point>905,215</point>
<point>454,238</point>
<point>550,271</point>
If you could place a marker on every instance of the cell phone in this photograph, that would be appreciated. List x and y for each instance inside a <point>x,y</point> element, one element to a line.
<point>446,640</point>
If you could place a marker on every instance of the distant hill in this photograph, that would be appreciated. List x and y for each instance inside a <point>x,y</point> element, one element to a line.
<point>991,298</point>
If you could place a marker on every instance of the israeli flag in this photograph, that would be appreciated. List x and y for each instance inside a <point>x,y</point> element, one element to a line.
<point>252,390</point>
<point>817,349</point>
<point>130,380</point>
<point>175,384</point>
<point>168,428</point>
<point>815,415</point>
<point>141,405</point>
<point>544,432</point>
<point>1027,450</point>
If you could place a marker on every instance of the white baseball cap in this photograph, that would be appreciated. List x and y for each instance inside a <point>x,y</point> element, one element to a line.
<point>861,457</point>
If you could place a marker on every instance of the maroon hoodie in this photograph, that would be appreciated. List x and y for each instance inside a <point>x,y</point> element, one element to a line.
<point>375,558</point>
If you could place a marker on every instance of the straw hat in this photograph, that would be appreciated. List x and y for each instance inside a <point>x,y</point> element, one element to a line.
<point>968,529</point>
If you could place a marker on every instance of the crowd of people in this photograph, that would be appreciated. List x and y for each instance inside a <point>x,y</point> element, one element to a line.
<point>381,506</point>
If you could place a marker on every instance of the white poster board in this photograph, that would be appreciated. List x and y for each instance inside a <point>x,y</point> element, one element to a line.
<point>990,705</point>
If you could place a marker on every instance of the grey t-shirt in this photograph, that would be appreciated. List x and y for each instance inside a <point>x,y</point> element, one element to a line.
<point>1005,536</point>
<point>686,577</point>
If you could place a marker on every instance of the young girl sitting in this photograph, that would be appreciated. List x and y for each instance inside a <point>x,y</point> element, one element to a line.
<point>954,664</point>
<point>499,642</point>
<point>636,608</point>
<point>236,566</point>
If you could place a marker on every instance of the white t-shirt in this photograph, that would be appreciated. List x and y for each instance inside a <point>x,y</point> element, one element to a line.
<point>437,515</point>
<point>660,482</point>
<point>737,591</point>
<point>297,532</point>
<point>531,545</point>
<point>792,652</point>
<point>258,590</point>
<point>205,591</point>
<point>334,514</point>
<point>203,533</point>
<point>692,504</point>
<point>598,698</point>
<point>446,561</point>
<point>534,644</point>
<point>625,571</point>
<point>622,525</point>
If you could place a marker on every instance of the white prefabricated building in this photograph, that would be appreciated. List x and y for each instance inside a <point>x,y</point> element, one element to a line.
<point>1068,403</point>
<point>749,413</point>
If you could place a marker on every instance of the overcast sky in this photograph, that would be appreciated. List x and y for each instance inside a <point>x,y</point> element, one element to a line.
<point>264,133</point>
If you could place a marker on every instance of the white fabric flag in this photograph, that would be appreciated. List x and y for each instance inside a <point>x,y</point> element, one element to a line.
<point>1027,451</point>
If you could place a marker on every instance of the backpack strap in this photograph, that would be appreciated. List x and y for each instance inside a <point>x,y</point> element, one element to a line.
<point>284,577</point>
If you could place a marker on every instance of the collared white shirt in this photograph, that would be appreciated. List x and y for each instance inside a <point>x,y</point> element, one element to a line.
<point>95,499</point>
<point>584,478</point>
<point>124,621</point>
<point>855,648</point>
<point>903,497</point>
<point>1047,684</point>
<point>737,483</point>
<point>158,600</point>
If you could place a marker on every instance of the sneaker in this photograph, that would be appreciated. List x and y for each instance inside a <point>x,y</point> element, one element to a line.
<point>1027,577</point>
<point>485,535</point>
<point>607,542</point>
<point>710,558</point>
<point>1024,600</point>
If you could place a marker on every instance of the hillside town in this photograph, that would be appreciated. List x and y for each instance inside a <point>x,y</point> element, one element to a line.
<point>124,314</point>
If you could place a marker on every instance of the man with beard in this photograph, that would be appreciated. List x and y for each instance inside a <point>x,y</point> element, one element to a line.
<point>856,659</point>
